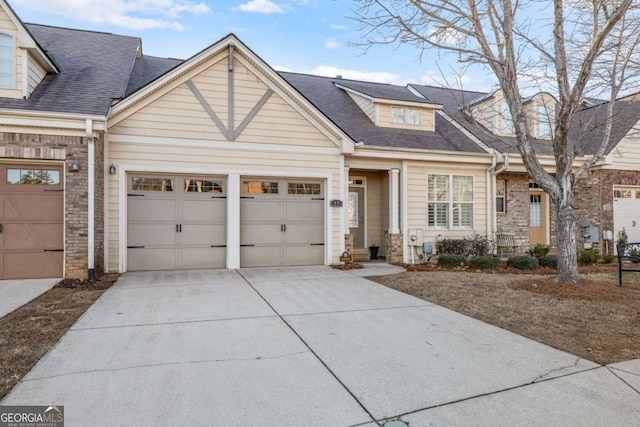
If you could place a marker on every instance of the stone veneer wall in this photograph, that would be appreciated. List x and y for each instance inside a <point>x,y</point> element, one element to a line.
<point>395,247</point>
<point>348,243</point>
<point>68,148</point>
<point>594,198</point>
<point>516,218</point>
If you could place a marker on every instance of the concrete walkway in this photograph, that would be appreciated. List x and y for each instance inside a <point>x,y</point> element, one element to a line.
<point>309,346</point>
<point>16,293</point>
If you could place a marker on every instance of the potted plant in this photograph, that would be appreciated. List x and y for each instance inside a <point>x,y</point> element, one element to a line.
<point>373,251</point>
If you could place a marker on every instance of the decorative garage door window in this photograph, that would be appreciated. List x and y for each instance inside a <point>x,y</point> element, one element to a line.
<point>196,185</point>
<point>33,176</point>
<point>622,194</point>
<point>305,188</point>
<point>450,202</point>
<point>139,183</point>
<point>259,187</point>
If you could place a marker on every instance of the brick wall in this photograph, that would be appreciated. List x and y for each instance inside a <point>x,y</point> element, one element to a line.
<point>516,218</point>
<point>67,149</point>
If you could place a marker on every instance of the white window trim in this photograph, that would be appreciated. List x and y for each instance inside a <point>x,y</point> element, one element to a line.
<point>451,202</point>
<point>504,198</point>
<point>544,110</point>
<point>504,107</point>
<point>406,115</point>
<point>391,118</point>
<point>13,68</point>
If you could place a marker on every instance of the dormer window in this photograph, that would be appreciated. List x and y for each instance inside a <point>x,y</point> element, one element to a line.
<point>544,120</point>
<point>507,120</point>
<point>410,116</point>
<point>7,60</point>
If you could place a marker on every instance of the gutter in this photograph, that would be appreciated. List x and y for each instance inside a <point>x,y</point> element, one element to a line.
<point>91,202</point>
<point>494,173</point>
<point>491,190</point>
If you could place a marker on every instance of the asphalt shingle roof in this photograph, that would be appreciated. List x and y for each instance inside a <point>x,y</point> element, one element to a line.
<point>149,68</point>
<point>94,69</point>
<point>344,112</point>
<point>381,90</point>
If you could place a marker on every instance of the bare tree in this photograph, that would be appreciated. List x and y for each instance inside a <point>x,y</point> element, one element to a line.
<point>580,46</point>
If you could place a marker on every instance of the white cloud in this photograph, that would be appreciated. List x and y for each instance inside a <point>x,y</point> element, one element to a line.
<point>331,44</point>
<point>261,6</point>
<point>132,14</point>
<point>369,76</point>
<point>337,27</point>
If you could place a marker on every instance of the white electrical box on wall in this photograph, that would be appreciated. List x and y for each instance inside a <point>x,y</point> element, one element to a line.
<point>415,237</point>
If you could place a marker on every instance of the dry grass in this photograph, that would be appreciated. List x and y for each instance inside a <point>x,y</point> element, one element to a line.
<point>28,333</point>
<point>596,320</point>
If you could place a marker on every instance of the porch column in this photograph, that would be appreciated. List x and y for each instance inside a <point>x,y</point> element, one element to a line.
<point>394,201</point>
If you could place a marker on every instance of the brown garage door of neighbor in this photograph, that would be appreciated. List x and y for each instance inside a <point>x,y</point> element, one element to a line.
<point>31,221</point>
<point>176,222</point>
<point>281,222</point>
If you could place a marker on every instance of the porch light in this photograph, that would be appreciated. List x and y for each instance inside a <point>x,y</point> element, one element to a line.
<point>112,169</point>
<point>75,166</point>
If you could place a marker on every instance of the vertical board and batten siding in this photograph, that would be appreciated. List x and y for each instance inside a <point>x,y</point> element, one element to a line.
<point>417,197</point>
<point>36,74</point>
<point>183,129</point>
<point>7,26</point>
<point>365,105</point>
<point>428,118</point>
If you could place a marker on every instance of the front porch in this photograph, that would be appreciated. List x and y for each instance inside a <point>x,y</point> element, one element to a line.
<point>373,215</point>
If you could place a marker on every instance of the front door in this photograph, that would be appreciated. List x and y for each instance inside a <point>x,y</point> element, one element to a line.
<point>356,216</point>
<point>537,217</point>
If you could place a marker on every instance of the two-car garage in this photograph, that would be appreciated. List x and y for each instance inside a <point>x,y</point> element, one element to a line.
<point>180,221</point>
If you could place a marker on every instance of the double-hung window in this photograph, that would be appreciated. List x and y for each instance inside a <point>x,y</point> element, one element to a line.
<point>7,60</point>
<point>507,120</point>
<point>450,202</point>
<point>544,120</point>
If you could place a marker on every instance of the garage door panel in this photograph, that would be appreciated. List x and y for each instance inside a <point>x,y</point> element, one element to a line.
<point>258,210</point>
<point>32,236</point>
<point>203,234</point>
<point>304,211</point>
<point>35,206</point>
<point>39,264</point>
<point>151,234</point>
<point>152,258</point>
<point>303,255</point>
<point>261,233</point>
<point>204,257</point>
<point>261,256</point>
<point>304,233</point>
<point>149,210</point>
<point>206,210</point>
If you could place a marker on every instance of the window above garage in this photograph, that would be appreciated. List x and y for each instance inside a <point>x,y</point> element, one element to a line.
<point>7,61</point>
<point>33,176</point>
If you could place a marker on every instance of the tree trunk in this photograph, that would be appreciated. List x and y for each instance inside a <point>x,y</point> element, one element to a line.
<point>566,231</point>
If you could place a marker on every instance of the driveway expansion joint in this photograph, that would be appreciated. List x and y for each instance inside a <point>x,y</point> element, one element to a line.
<point>622,379</point>
<point>311,350</point>
<point>359,310</point>
<point>181,322</point>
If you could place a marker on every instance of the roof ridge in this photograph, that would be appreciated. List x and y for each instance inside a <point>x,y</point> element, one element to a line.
<point>81,30</point>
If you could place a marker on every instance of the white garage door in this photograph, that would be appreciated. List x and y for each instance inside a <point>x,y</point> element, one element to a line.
<point>176,222</point>
<point>626,212</point>
<point>281,222</point>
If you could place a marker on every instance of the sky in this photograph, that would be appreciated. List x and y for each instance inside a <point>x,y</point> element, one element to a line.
<point>305,36</point>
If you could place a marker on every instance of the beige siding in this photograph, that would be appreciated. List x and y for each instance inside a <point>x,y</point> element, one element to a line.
<point>178,114</point>
<point>417,197</point>
<point>488,113</point>
<point>366,105</point>
<point>36,74</point>
<point>428,118</point>
<point>626,155</point>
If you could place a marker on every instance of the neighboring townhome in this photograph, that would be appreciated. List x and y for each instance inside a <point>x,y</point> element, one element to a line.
<point>118,161</point>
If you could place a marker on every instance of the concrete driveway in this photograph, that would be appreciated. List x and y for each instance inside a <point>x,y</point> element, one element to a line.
<point>16,293</point>
<point>309,346</point>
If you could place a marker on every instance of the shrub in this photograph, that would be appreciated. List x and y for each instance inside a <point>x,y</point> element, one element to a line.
<point>587,257</point>
<point>607,258</point>
<point>550,261</point>
<point>484,262</point>
<point>623,238</point>
<point>476,245</point>
<point>539,251</point>
<point>451,260</point>
<point>523,262</point>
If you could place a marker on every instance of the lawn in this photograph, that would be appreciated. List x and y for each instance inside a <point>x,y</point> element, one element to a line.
<point>596,320</point>
<point>29,332</point>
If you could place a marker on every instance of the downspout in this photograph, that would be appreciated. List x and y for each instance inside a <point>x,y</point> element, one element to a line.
<point>91,201</point>
<point>495,173</point>
<point>490,190</point>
